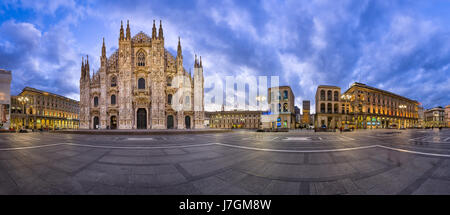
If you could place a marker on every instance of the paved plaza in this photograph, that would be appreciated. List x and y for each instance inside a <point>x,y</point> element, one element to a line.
<point>239,162</point>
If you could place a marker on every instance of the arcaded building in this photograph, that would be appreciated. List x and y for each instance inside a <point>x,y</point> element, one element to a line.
<point>363,106</point>
<point>141,86</point>
<point>37,109</point>
<point>235,119</point>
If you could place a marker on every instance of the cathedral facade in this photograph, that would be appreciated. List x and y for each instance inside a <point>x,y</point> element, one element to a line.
<point>141,86</point>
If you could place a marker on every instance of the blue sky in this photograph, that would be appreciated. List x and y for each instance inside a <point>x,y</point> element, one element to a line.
<point>399,46</point>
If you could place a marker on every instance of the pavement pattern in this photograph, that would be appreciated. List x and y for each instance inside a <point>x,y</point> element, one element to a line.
<point>241,162</point>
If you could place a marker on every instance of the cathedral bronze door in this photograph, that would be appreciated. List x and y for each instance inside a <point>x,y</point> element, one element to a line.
<point>141,119</point>
<point>96,122</point>
<point>169,122</point>
<point>187,122</point>
<point>113,122</point>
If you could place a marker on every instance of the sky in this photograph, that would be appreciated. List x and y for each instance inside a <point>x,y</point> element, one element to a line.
<point>399,46</point>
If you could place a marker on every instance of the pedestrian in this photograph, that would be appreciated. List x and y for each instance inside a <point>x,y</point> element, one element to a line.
<point>340,129</point>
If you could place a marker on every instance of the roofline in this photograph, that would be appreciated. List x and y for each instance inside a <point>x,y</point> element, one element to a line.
<point>42,92</point>
<point>374,88</point>
<point>328,86</point>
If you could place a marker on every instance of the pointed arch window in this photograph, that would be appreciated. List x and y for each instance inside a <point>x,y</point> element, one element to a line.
<point>113,99</point>
<point>113,81</point>
<point>169,99</point>
<point>141,83</point>
<point>140,59</point>
<point>96,101</point>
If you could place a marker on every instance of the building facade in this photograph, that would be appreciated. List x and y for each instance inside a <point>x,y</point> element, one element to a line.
<point>447,115</point>
<point>5,98</point>
<point>281,112</point>
<point>235,119</point>
<point>142,86</point>
<point>305,120</point>
<point>369,107</point>
<point>36,109</point>
<point>363,106</point>
<point>328,107</point>
<point>435,117</point>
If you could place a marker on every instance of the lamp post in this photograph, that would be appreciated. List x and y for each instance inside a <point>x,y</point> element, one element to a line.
<point>346,99</point>
<point>23,100</point>
<point>402,108</point>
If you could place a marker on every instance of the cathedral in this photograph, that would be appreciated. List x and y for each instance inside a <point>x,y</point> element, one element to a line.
<point>141,86</point>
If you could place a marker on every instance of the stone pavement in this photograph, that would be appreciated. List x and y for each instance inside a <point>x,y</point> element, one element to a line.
<point>240,162</point>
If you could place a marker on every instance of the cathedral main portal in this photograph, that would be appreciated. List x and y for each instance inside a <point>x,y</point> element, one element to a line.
<point>141,119</point>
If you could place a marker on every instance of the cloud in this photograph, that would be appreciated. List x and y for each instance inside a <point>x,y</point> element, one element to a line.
<point>396,46</point>
<point>43,60</point>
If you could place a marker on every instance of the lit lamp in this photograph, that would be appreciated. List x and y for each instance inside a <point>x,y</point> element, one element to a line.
<point>402,108</point>
<point>23,100</point>
<point>346,99</point>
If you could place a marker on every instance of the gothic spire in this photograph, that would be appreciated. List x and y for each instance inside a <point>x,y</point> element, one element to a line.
<point>179,47</point>
<point>87,66</point>
<point>103,48</point>
<point>195,62</point>
<point>128,30</point>
<point>160,35</point>
<point>82,68</point>
<point>154,30</point>
<point>121,30</point>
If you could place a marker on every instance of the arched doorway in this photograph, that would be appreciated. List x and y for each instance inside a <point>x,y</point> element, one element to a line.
<point>169,122</point>
<point>113,122</point>
<point>96,122</point>
<point>141,118</point>
<point>187,122</point>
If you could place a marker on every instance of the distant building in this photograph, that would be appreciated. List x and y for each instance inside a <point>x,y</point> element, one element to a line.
<point>328,107</point>
<point>421,114</point>
<point>298,116</point>
<point>435,117</point>
<point>281,112</point>
<point>306,113</point>
<point>234,119</point>
<point>43,110</point>
<point>5,98</point>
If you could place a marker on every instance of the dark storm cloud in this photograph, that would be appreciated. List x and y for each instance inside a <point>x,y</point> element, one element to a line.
<point>393,45</point>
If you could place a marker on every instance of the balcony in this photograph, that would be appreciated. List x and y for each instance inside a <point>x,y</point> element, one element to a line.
<point>141,92</point>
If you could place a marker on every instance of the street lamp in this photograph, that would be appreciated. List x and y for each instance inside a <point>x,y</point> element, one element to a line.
<point>23,100</point>
<point>402,108</point>
<point>346,99</point>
